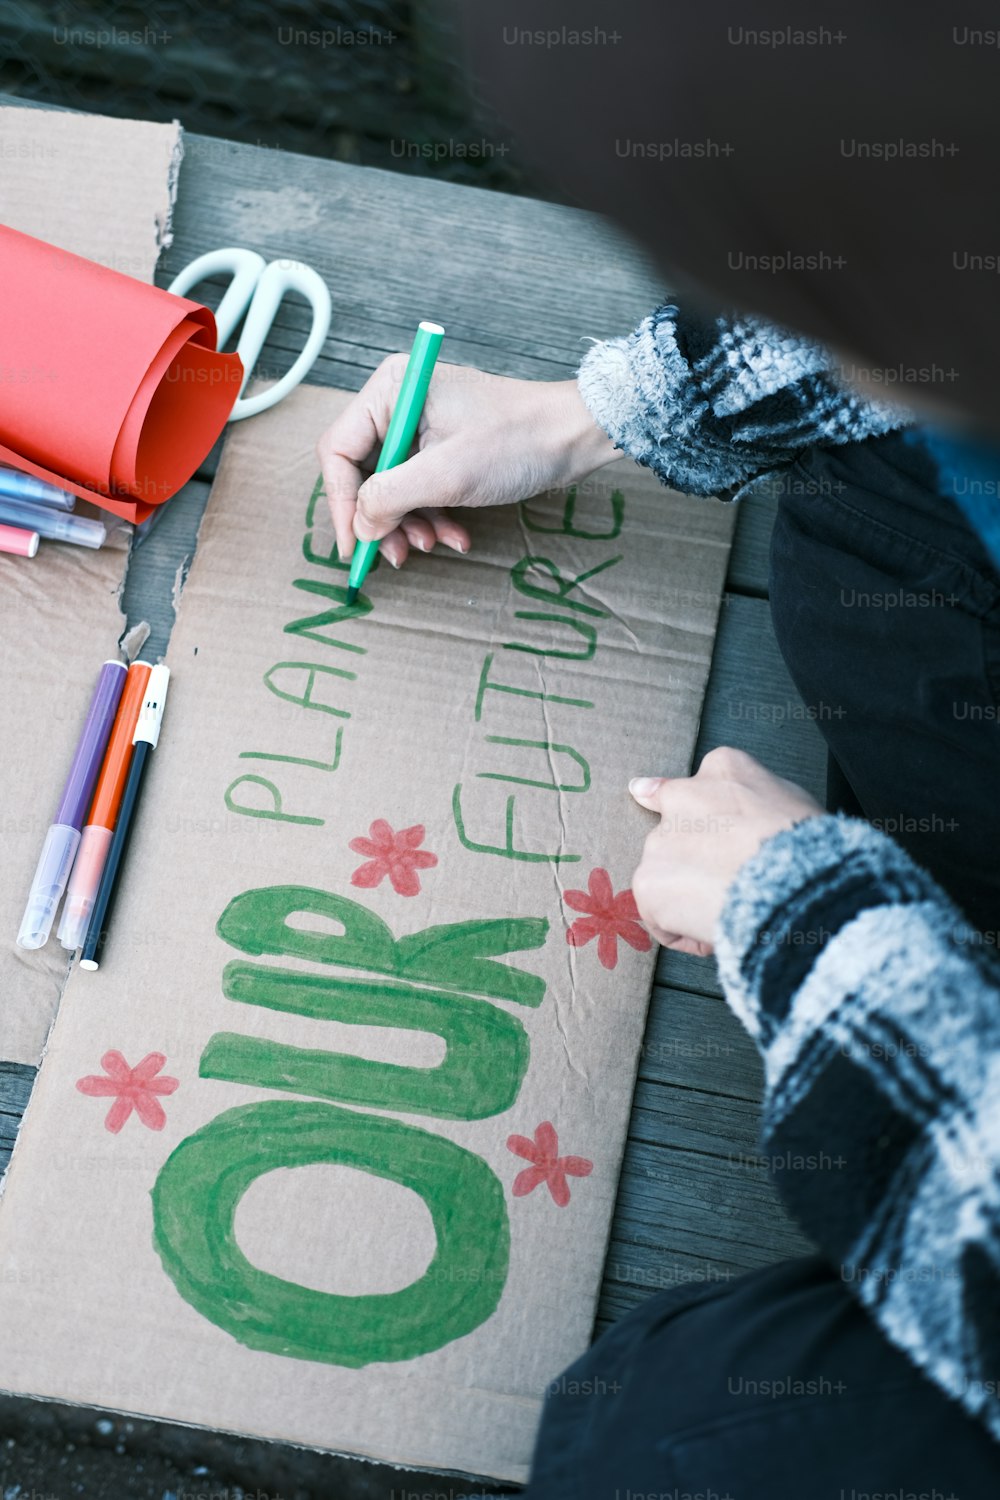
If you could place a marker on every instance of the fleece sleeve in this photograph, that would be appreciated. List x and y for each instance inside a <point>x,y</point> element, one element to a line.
<point>712,404</point>
<point>877,1012</point>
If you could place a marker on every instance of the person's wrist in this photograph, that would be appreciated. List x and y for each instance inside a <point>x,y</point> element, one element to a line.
<point>581,439</point>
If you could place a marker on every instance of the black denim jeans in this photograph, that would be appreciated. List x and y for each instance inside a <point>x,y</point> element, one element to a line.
<point>886,608</point>
<point>774,1386</point>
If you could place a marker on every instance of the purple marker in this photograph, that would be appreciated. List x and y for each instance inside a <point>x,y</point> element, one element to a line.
<point>63,838</point>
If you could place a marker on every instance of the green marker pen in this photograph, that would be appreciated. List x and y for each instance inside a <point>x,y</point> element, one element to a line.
<point>402,430</point>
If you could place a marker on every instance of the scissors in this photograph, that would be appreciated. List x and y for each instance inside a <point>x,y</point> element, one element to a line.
<point>256,289</point>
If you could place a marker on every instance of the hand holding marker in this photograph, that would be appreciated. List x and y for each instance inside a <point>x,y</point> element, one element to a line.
<point>401,431</point>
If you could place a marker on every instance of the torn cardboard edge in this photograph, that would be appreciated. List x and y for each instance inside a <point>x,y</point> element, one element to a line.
<point>112,192</point>
<point>165,222</point>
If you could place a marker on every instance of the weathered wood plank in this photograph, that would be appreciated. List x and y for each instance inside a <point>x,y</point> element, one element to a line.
<point>694,1201</point>
<point>16,1080</point>
<point>684,1217</point>
<point>722,1210</point>
<point>518,283</point>
<point>752,702</point>
<point>695,1041</point>
<point>159,563</point>
<point>688,1119</point>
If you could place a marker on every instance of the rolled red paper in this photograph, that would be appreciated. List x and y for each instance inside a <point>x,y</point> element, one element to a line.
<point>112,388</point>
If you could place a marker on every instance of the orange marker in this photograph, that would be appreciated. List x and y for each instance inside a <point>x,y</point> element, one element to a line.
<point>96,840</point>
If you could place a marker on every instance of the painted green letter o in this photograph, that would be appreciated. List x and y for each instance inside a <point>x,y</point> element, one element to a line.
<point>200,1185</point>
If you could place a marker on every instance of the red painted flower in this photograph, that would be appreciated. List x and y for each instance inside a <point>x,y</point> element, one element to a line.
<point>608,918</point>
<point>546,1164</point>
<point>131,1088</point>
<point>394,854</point>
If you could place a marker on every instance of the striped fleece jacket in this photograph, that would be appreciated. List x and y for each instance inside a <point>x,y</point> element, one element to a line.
<point>875,1006</point>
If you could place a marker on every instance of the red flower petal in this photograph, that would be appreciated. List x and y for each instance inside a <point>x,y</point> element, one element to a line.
<point>409,838</point>
<point>546,1139</point>
<point>521,1146</point>
<point>579,901</point>
<point>637,937</point>
<point>625,908</point>
<point>150,1111</point>
<point>118,1114</point>
<point>112,1062</point>
<point>607,949</point>
<point>558,1186</point>
<point>163,1085</point>
<point>366,847</point>
<point>405,881</point>
<point>526,1181</point>
<point>149,1067</point>
<point>423,859</point>
<point>99,1087</point>
<point>382,834</point>
<point>368,876</point>
<point>576,1166</point>
<point>582,930</point>
<point>600,887</point>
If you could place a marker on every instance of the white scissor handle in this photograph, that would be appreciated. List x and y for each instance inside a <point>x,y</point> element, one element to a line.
<point>246,267</point>
<point>279,277</point>
<point>257,288</point>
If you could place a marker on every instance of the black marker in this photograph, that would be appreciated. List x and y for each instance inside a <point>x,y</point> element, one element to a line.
<point>147,732</point>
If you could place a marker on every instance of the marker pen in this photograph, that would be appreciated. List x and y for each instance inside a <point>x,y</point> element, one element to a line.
<point>96,838</point>
<point>17,539</point>
<point>26,487</point>
<point>52,524</point>
<point>399,434</point>
<point>63,837</point>
<point>147,732</point>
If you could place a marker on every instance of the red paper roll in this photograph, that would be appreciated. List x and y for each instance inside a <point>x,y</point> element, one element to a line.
<point>110,388</point>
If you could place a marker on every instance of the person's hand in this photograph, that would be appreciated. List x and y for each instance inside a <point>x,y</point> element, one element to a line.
<point>482,440</point>
<point>710,825</point>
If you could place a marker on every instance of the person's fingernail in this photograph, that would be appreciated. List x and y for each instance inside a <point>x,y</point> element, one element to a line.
<point>644,786</point>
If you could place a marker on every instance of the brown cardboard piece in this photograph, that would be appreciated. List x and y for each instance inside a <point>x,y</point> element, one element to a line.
<point>102,188</point>
<point>409,1290</point>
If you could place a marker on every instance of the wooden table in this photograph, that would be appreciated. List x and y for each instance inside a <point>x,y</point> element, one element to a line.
<point>519,285</point>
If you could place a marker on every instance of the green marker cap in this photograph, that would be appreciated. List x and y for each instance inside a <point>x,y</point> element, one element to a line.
<point>402,430</point>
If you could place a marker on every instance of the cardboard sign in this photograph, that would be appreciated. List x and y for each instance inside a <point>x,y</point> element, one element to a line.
<point>328,1149</point>
<point>99,187</point>
<point>108,192</point>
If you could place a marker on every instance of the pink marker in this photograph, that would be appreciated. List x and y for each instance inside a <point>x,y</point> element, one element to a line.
<point>16,539</point>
